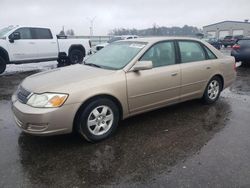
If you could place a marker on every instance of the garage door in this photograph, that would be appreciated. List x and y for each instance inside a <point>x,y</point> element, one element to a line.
<point>237,32</point>
<point>211,34</point>
<point>222,34</point>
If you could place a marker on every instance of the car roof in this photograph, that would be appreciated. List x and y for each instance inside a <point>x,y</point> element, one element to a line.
<point>26,26</point>
<point>245,38</point>
<point>159,39</point>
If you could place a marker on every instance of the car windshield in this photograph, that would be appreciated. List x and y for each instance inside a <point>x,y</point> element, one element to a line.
<point>5,30</point>
<point>113,39</point>
<point>116,56</point>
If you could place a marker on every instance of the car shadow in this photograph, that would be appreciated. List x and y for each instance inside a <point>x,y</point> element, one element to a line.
<point>149,143</point>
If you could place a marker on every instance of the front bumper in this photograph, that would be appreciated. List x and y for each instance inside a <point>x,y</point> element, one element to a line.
<point>44,121</point>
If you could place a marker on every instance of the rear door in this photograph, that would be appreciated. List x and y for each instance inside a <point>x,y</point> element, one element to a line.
<point>46,44</point>
<point>158,86</point>
<point>196,68</point>
<point>25,48</point>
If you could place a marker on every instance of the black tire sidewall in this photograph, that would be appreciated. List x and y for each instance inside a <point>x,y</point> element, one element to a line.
<point>76,52</point>
<point>62,62</point>
<point>206,98</point>
<point>2,65</point>
<point>82,123</point>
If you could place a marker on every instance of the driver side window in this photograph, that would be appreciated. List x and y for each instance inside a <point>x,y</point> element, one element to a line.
<point>25,33</point>
<point>160,54</point>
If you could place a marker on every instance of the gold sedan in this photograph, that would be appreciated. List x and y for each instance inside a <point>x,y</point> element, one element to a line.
<point>121,80</point>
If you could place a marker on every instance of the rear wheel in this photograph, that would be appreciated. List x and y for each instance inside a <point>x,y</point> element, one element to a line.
<point>76,56</point>
<point>98,120</point>
<point>2,65</point>
<point>213,90</point>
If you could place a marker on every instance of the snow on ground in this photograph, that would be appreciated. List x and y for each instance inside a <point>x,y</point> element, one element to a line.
<point>42,66</point>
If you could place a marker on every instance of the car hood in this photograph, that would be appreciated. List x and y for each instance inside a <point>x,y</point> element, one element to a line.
<point>102,45</point>
<point>63,79</point>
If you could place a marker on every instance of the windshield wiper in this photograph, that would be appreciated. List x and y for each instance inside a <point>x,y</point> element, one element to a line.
<point>92,64</point>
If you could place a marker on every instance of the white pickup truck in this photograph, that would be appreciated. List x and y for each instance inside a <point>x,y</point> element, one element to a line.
<point>19,44</point>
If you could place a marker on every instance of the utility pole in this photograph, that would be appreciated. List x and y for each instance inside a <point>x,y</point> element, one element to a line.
<point>91,28</point>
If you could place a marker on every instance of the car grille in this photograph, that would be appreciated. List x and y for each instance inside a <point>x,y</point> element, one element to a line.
<point>99,48</point>
<point>22,95</point>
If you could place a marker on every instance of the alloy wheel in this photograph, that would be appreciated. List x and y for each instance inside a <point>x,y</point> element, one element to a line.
<point>213,89</point>
<point>100,120</point>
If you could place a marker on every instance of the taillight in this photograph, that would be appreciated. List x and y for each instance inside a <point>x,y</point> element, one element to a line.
<point>236,47</point>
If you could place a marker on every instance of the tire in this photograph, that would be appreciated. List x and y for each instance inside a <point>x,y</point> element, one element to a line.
<point>245,63</point>
<point>2,65</point>
<point>62,62</point>
<point>76,56</point>
<point>98,120</point>
<point>213,90</point>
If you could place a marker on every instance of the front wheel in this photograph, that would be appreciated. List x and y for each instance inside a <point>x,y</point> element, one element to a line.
<point>2,65</point>
<point>76,56</point>
<point>98,120</point>
<point>213,90</point>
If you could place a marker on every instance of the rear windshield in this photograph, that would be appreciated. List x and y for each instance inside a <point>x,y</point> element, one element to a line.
<point>244,42</point>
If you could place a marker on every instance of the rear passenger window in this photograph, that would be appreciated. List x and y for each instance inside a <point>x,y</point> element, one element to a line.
<point>191,51</point>
<point>160,54</point>
<point>210,54</point>
<point>41,33</point>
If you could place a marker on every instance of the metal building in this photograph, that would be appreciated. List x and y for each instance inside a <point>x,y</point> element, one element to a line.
<point>225,28</point>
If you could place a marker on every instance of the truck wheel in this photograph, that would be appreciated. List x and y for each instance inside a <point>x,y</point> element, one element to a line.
<point>76,56</point>
<point>2,65</point>
<point>62,62</point>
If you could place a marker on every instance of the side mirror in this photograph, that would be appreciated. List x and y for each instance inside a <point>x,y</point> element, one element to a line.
<point>142,65</point>
<point>14,36</point>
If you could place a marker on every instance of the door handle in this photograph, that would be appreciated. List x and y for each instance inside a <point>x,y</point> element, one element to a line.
<point>31,43</point>
<point>174,74</point>
<point>208,67</point>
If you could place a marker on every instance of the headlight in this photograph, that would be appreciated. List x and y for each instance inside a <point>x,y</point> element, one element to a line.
<point>47,100</point>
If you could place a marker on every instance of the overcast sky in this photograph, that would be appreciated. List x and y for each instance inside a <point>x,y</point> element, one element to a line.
<point>112,14</point>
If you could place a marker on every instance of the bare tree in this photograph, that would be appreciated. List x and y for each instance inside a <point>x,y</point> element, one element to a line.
<point>70,32</point>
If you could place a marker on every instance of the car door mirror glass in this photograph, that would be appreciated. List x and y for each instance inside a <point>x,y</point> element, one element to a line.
<point>14,36</point>
<point>142,65</point>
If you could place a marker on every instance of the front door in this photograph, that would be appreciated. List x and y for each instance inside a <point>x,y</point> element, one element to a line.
<point>24,48</point>
<point>149,89</point>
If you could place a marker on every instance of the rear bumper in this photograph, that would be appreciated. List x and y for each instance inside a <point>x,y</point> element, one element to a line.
<point>47,121</point>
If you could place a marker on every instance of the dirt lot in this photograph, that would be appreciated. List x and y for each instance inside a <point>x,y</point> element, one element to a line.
<point>186,145</point>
